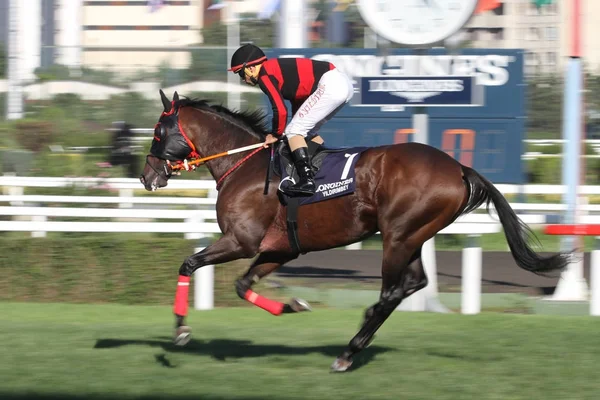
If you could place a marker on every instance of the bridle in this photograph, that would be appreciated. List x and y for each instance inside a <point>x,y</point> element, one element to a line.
<point>167,168</point>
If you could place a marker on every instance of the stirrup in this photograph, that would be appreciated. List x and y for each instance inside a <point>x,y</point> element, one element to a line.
<point>300,191</point>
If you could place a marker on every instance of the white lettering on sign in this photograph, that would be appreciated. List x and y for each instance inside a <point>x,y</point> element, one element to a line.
<point>490,70</point>
<point>415,85</point>
<point>327,189</point>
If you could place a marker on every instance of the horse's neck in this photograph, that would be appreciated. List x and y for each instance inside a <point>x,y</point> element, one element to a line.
<point>230,137</point>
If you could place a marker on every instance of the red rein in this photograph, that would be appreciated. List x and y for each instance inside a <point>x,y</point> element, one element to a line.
<point>243,160</point>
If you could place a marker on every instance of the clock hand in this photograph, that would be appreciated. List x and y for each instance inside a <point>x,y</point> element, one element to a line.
<point>433,5</point>
<point>430,3</point>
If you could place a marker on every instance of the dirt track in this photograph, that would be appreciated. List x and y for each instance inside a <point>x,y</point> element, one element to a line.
<point>500,273</point>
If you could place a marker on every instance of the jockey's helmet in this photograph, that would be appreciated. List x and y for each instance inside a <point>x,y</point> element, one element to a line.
<point>246,56</point>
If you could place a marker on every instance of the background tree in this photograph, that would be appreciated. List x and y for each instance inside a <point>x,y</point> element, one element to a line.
<point>261,32</point>
<point>544,105</point>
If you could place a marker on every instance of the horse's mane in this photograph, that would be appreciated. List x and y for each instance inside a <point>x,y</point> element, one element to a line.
<point>255,121</point>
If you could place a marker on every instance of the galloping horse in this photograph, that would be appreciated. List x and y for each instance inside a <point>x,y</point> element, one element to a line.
<point>408,192</point>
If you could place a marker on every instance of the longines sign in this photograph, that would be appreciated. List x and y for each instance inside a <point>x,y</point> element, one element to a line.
<point>434,91</point>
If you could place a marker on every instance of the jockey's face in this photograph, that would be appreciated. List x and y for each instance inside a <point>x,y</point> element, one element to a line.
<point>251,75</point>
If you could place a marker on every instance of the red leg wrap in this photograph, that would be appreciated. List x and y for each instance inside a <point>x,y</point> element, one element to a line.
<point>272,306</point>
<point>181,296</point>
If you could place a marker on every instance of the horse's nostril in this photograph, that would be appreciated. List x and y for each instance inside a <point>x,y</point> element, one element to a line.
<point>142,180</point>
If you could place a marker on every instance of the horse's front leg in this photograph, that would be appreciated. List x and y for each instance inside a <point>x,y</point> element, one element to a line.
<point>223,250</point>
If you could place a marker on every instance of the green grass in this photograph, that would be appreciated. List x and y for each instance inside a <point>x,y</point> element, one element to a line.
<point>124,352</point>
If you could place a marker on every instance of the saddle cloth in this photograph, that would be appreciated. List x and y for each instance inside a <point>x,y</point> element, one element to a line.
<point>334,175</point>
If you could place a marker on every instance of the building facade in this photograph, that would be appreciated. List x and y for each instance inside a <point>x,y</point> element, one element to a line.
<point>520,24</point>
<point>545,33</point>
<point>129,35</point>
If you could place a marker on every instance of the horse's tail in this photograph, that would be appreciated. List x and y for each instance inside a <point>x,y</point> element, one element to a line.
<point>516,231</point>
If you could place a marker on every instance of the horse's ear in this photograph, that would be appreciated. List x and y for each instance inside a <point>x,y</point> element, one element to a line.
<point>165,101</point>
<point>175,96</point>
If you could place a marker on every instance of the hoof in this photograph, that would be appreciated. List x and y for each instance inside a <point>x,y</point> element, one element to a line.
<point>341,365</point>
<point>182,336</point>
<point>299,305</point>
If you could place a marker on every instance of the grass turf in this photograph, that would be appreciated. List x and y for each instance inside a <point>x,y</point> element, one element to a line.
<point>61,351</point>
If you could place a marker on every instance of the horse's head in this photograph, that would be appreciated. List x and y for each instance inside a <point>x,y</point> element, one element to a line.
<point>183,137</point>
<point>169,144</point>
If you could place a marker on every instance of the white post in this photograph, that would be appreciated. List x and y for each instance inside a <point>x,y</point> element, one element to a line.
<point>420,120</point>
<point>430,292</point>
<point>14,103</point>
<point>14,191</point>
<point>571,285</point>
<point>41,219</point>
<point>471,277</point>
<point>70,33</point>
<point>193,235</point>
<point>426,299</point>
<point>30,25</point>
<point>354,246</point>
<point>204,279</point>
<point>293,24</point>
<point>595,280</point>
<point>125,193</point>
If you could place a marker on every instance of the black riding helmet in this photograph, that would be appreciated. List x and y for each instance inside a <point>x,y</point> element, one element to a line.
<point>246,56</point>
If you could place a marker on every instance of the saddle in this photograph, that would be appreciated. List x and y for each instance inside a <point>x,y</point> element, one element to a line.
<point>283,166</point>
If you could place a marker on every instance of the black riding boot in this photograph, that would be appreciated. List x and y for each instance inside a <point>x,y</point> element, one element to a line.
<point>306,184</point>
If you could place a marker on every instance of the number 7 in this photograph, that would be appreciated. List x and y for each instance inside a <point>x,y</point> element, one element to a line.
<point>346,170</point>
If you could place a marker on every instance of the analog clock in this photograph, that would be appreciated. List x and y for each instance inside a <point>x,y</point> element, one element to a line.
<point>416,22</point>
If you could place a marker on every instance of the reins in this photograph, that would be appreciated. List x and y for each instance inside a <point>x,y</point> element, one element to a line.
<point>195,162</point>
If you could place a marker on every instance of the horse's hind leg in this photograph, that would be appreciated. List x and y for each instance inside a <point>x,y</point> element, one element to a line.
<point>416,270</point>
<point>403,275</point>
<point>261,267</point>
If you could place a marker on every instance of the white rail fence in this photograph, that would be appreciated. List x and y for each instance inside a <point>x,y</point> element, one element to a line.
<point>32,213</point>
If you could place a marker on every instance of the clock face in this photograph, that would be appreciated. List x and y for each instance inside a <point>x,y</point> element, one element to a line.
<point>416,22</point>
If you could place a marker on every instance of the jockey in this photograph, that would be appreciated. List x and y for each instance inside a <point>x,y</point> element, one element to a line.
<point>316,91</point>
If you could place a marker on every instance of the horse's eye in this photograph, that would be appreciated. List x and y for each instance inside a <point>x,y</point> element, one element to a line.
<point>157,131</point>
<point>160,131</point>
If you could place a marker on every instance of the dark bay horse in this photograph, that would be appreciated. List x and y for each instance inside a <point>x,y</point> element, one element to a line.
<point>408,192</point>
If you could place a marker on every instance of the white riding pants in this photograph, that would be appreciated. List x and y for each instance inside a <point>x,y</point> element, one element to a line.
<point>334,90</point>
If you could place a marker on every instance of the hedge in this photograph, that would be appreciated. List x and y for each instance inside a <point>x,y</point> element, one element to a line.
<point>127,269</point>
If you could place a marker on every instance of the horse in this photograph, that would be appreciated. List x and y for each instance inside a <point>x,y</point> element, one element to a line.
<point>408,192</point>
